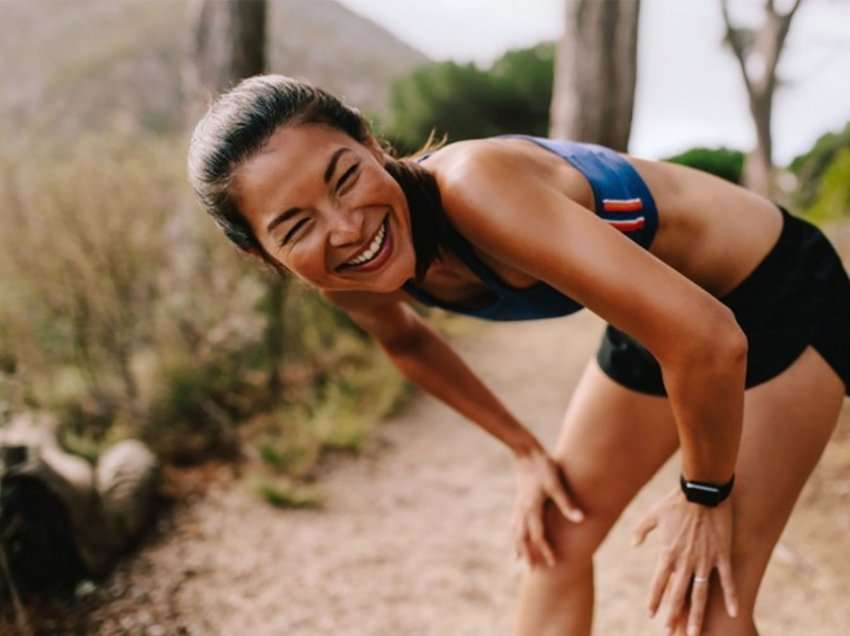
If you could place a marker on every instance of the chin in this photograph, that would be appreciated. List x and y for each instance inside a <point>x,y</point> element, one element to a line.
<point>390,278</point>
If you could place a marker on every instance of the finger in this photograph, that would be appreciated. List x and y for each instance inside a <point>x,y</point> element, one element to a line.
<point>538,535</point>
<point>659,581</point>
<point>527,548</point>
<point>699,598</point>
<point>517,535</point>
<point>518,548</point>
<point>519,539</point>
<point>565,504</point>
<point>679,588</point>
<point>673,629</point>
<point>727,582</point>
<point>647,525</point>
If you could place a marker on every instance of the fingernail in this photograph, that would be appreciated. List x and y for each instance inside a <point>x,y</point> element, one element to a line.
<point>578,515</point>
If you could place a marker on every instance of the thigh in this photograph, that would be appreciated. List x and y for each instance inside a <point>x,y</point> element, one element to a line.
<point>787,424</point>
<point>612,441</point>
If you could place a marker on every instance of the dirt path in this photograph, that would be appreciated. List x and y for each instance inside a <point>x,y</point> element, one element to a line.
<point>415,538</point>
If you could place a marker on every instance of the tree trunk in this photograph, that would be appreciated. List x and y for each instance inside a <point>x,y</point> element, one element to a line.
<point>758,168</point>
<point>596,73</point>
<point>227,42</point>
<point>758,56</point>
<point>275,331</point>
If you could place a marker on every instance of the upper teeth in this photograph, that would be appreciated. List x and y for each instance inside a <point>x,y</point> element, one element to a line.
<point>374,248</point>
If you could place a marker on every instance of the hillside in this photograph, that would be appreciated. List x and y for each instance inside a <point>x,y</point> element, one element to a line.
<point>73,66</point>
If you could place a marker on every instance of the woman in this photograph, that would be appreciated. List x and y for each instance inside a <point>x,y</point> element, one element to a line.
<point>719,340</point>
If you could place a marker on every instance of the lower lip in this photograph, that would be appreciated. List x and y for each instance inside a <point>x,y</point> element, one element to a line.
<point>380,258</point>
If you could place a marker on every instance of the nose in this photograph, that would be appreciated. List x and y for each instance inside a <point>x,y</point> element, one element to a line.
<point>346,227</point>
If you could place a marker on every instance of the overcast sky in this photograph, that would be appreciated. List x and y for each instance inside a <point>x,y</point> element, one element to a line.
<point>690,90</point>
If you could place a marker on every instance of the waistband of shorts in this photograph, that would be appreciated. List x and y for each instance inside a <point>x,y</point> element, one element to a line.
<point>778,259</point>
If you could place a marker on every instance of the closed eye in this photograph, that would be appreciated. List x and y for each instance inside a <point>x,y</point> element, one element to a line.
<point>346,175</point>
<point>292,231</point>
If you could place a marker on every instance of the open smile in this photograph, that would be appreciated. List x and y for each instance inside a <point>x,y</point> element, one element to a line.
<point>374,254</point>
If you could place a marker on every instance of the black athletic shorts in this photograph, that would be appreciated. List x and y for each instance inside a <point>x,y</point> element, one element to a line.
<point>798,295</point>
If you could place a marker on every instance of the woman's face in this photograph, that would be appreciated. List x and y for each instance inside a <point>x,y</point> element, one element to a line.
<point>322,205</point>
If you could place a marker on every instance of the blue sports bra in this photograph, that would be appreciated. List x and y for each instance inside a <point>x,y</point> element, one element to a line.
<point>622,199</point>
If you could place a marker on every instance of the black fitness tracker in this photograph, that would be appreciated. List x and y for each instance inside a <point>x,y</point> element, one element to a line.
<point>705,493</point>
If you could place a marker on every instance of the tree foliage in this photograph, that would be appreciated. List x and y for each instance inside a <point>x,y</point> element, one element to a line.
<point>722,162</point>
<point>465,102</point>
<point>832,197</point>
<point>811,167</point>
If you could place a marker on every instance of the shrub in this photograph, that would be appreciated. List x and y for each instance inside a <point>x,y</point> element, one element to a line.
<point>721,162</point>
<point>95,326</point>
<point>467,102</point>
<point>811,167</point>
<point>832,198</point>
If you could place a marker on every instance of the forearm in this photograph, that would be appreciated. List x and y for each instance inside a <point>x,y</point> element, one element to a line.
<point>432,364</point>
<point>706,392</point>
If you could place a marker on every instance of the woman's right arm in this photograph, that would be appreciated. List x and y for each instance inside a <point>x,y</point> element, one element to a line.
<point>424,357</point>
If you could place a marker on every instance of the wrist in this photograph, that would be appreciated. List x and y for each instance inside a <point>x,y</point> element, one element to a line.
<point>706,493</point>
<point>525,446</point>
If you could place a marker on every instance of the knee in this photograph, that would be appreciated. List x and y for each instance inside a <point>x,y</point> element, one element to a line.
<point>574,544</point>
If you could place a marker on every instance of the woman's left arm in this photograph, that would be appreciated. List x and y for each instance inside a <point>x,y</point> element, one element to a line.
<point>519,218</point>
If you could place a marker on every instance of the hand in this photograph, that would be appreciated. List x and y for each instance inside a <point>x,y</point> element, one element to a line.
<point>539,478</point>
<point>696,539</point>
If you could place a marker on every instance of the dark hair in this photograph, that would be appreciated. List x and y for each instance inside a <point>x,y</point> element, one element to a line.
<point>240,121</point>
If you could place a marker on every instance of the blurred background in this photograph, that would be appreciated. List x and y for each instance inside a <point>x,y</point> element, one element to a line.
<point>125,313</point>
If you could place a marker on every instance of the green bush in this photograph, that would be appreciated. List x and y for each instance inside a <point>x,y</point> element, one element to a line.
<point>811,167</point>
<point>467,102</point>
<point>95,326</point>
<point>721,162</point>
<point>832,198</point>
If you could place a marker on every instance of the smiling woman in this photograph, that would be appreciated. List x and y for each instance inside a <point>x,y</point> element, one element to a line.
<point>336,197</point>
<point>729,330</point>
<point>248,168</point>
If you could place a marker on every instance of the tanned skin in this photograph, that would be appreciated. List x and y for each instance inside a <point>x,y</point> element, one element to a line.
<point>529,215</point>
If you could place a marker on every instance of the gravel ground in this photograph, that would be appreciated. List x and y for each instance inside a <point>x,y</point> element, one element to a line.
<point>415,538</point>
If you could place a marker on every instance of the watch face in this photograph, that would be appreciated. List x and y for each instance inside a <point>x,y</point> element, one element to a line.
<point>699,487</point>
<point>706,494</point>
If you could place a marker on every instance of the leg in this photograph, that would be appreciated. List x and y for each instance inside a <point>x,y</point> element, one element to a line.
<point>612,441</point>
<point>787,424</point>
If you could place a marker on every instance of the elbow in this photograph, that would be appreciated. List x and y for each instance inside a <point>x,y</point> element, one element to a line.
<point>719,342</point>
<point>738,345</point>
<point>729,340</point>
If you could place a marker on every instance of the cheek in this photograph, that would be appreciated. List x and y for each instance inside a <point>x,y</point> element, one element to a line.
<point>307,261</point>
<point>379,187</point>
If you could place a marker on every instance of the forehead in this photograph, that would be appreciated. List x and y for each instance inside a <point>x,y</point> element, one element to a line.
<point>291,156</point>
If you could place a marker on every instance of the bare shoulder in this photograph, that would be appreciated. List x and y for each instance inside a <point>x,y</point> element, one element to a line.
<point>488,185</point>
<point>483,159</point>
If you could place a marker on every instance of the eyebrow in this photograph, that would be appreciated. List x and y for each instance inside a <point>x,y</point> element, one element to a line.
<point>329,171</point>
